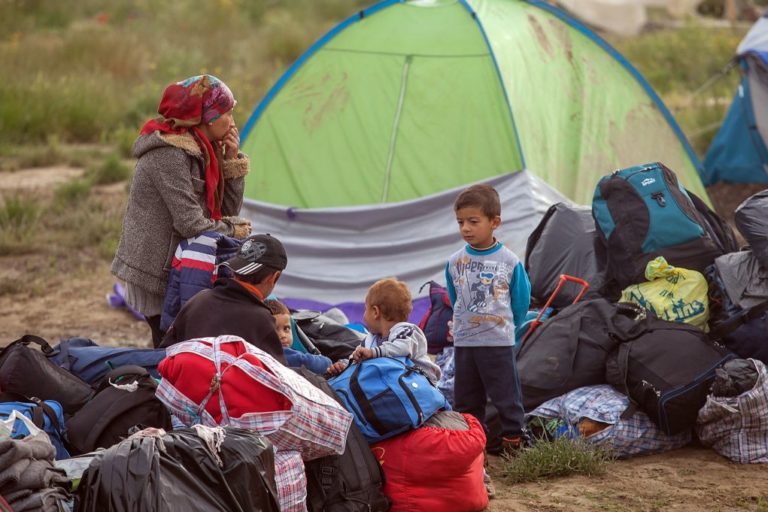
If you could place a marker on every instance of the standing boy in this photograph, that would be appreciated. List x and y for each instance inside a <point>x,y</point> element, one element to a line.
<point>490,293</point>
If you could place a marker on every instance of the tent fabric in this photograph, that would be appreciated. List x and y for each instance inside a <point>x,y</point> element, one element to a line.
<point>738,152</point>
<point>411,98</point>
<point>335,254</point>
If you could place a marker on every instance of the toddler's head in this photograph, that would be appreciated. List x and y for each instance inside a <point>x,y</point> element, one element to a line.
<point>388,301</point>
<point>282,321</point>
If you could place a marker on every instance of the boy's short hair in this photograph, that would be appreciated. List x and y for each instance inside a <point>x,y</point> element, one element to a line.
<point>480,196</point>
<point>392,297</point>
<point>276,307</point>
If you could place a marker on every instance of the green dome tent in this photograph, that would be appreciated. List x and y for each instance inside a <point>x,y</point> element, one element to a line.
<point>410,98</point>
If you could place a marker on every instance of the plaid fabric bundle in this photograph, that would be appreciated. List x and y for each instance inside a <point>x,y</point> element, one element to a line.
<point>291,481</point>
<point>736,427</point>
<point>315,425</point>
<point>636,435</point>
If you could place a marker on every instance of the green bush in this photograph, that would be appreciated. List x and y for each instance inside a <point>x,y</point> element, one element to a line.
<point>561,457</point>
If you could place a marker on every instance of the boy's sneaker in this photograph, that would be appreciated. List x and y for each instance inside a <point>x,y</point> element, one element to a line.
<point>511,446</point>
<point>490,490</point>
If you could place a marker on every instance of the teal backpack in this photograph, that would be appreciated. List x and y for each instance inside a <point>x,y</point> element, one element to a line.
<point>643,212</point>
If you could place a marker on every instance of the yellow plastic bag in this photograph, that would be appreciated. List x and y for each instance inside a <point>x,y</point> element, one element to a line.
<point>672,294</point>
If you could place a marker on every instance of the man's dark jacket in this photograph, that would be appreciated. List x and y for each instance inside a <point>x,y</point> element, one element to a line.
<point>227,308</point>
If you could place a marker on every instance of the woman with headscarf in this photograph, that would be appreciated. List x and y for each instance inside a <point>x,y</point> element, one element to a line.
<point>189,178</point>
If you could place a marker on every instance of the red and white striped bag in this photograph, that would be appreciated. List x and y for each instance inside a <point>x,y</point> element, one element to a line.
<point>226,381</point>
<point>291,481</point>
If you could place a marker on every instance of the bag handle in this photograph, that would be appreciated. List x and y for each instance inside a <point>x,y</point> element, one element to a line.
<point>45,347</point>
<point>727,327</point>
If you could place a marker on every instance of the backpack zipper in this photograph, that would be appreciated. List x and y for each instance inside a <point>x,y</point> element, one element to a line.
<point>410,395</point>
<point>673,393</point>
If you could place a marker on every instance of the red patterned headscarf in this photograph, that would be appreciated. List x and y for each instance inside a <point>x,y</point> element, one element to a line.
<point>185,105</point>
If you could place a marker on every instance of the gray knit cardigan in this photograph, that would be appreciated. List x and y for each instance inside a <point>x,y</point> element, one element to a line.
<point>166,204</point>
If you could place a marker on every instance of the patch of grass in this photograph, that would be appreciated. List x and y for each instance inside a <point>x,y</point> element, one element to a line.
<point>19,218</point>
<point>71,194</point>
<point>561,457</point>
<point>111,170</point>
<point>123,138</point>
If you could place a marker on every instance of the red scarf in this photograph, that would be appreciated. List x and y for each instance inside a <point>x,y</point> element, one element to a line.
<point>184,106</point>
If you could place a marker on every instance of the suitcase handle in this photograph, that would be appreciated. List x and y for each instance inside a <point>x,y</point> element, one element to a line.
<point>564,278</point>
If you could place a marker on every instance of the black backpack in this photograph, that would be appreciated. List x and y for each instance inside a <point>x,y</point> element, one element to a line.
<point>112,412</point>
<point>332,339</point>
<point>351,482</point>
<point>666,370</point>
<point>569,350</point>
<point>434,323</point>
<point>28,372</point>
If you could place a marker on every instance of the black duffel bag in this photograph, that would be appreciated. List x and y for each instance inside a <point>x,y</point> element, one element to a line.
<point>332,339</point>
<point>26,371</point>
<point>569,350</point>
<point>666,371</point>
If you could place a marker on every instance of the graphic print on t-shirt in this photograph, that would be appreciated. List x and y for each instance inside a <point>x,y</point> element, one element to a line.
<point>483,292</point>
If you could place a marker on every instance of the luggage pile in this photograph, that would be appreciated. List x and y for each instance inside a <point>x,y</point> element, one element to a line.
<point>638,366</point>
<point>219,424</point>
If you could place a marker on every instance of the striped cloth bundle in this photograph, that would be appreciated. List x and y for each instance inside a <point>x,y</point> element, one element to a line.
<point>636,435</point>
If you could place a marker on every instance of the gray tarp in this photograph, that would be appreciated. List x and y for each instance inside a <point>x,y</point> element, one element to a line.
<point>335,254</point>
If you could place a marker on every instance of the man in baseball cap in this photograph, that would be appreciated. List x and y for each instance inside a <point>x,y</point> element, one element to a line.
<point>236,306</point>
<point>258,252</point>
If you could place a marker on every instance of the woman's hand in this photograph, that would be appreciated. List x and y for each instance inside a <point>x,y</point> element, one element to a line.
<point>230,143</point>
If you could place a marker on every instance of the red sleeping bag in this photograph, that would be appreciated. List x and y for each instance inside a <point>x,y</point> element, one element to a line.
<point>192,374</point>
<point>438,466</point>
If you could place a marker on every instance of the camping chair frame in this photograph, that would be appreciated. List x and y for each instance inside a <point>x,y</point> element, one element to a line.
<point>564,278</point>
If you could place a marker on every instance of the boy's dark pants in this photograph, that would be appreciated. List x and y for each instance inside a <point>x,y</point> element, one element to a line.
<point>489,372</point>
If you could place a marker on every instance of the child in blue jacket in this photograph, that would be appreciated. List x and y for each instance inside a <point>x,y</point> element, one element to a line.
<point>315,363</point>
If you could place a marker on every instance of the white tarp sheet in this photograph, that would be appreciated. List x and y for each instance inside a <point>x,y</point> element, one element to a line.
<point>335,254</point>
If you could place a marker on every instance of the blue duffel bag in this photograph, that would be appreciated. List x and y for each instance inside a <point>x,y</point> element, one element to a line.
<point>47,415</point>
<point>92,362</point>
<point>387,396</point>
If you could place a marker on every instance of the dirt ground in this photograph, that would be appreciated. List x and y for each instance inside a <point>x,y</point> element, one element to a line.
<point>74,304</point>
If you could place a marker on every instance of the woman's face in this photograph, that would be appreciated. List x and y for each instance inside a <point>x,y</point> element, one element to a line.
<point>220,127</point>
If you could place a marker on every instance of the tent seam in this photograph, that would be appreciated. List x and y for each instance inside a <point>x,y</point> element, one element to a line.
<point>396,126</point>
